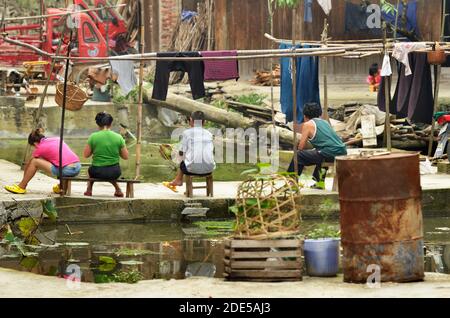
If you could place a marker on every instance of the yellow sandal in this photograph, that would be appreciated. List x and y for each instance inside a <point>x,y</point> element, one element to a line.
<point>169,186</point>
<point>15,189</point>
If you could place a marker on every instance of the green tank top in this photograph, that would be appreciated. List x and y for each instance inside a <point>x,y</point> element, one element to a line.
<point>326,140</point>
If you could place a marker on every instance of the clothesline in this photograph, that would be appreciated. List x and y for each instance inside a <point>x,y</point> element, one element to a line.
<point>36,17</point>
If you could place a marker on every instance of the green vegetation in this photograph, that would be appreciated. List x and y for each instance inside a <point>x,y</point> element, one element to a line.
<point>22,233</point>
<point>216,228</point>
<point>133,252</point>
<point>286,3</point>
<point>251,99</point>
<point>324,230</point>
<point>129,277</point>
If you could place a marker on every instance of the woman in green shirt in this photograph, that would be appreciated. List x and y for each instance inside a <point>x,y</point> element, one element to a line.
<point>106,147</point>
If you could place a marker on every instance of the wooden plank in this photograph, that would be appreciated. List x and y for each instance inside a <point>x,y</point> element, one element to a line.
<point>272,265</point>
<point>100,180</point>
<point>265,274</point>
<point>237,255</point>
<point>266,243</point>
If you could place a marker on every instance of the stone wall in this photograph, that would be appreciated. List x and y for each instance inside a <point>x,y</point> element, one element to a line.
<point>17,122</point>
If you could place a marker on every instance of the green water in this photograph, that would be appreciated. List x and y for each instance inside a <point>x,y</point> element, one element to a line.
<point>153,167</point>
<point>163,251</point>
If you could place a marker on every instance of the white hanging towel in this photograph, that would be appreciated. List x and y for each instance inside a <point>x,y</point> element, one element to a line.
<point>326,6</point>
<point>402,50</point>
<point>386,70</point>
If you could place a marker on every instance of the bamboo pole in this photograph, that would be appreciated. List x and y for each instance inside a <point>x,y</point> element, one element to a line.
<point>272,64</point>
<point>437,81</point>
<point>38,17</point>
<point>294,92</point>
<point>141,93</point>
<point>63,113</point>
<point>325,73</point>
<point>387,99</point>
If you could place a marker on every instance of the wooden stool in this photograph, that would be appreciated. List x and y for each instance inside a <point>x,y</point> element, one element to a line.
<point>190,185</point>
<point>332,165</point>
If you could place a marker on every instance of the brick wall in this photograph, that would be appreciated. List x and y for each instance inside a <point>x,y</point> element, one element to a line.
<point>169,13</point>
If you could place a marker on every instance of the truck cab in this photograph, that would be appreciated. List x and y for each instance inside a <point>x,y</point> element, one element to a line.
<point>108,21</point>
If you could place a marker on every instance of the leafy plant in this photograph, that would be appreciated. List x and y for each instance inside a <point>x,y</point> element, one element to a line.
<point>216,228</point>
<point>287,3</point>
<point>251,99</point>
<point>323,231</point>
<point>387,7</point>
<point>129,277</point>
<point>49,209</point>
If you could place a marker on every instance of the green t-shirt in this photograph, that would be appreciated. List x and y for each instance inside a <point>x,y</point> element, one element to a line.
<point>106,146</point>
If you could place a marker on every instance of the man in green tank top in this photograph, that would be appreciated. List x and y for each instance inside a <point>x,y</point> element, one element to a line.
<point>327,144</point>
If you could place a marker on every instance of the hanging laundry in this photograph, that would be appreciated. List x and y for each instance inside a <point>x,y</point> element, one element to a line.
<point>402,50</point>
<point>308,11</point>
<point>386,70</point>
<point>411,27</point>
<point>307,75</point>
<point>195,70</point>
<point>326,6</point>
<point>356,18</point>
<point>413,96</point>
<point>220,70</point>
<point>125,75</point>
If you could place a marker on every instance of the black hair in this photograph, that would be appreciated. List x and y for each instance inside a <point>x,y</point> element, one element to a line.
<point>198,115</point>
<point>312,110</point>
<point>104,119</point>
<point>36,136</point>
<point>373,70</point>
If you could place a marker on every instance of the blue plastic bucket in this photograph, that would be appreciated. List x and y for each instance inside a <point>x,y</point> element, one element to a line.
<point>322,257</point>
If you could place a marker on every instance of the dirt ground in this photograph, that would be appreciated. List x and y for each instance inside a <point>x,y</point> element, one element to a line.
<point>17,284</point>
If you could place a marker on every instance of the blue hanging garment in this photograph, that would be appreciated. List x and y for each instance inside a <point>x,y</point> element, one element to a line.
<point>307,84</point>
<point>308,11</point>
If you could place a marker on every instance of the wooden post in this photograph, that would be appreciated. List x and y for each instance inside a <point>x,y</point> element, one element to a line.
<point>63,113</point>
<point>387,99</point>
<point>141,92</point>
<point>437,81</point>
<point>294,92</point>
<point>325,73</point>
<point>272,64</point>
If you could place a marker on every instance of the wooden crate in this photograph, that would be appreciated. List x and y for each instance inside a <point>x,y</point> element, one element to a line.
<point>265,260</point>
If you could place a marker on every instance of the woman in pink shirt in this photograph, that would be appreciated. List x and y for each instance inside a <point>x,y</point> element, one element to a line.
<point>46,158</point>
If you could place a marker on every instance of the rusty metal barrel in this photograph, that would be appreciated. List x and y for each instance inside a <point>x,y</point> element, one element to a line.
<point>381,217</point>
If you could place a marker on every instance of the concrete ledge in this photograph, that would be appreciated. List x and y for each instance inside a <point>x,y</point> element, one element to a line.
<point>11,210</point>
<point>80,210</point>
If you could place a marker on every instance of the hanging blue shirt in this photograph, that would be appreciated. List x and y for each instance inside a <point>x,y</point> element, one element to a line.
<point>307,83</point>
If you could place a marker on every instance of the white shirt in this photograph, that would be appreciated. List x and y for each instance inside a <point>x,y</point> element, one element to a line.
<point>198,148</point>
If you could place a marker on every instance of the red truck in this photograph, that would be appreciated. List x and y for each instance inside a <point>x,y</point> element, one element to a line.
<point>89,38</point>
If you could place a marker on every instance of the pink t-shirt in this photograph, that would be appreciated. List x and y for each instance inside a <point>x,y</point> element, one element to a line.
<point>48,149</point>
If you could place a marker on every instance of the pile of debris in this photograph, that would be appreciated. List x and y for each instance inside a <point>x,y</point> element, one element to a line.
<point>364,124</point>
<point>265,78</point>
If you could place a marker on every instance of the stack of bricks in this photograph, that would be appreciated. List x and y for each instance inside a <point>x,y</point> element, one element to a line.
<point>169,12</point>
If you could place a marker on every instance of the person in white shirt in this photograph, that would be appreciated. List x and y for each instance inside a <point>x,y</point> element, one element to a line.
<point>197,152</point>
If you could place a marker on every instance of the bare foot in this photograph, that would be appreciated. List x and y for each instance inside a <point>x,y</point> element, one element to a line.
<point>176,183</point>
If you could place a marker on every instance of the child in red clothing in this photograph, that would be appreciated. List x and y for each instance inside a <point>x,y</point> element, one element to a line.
<point>374,78</point>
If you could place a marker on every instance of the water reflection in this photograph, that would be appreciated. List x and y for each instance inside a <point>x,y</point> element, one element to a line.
<point>160,260</point>
<point>106,252</point>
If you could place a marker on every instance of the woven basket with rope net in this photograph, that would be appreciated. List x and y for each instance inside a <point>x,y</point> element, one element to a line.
<point>75,96</point>
<point>267,208</point>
